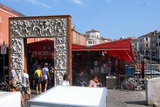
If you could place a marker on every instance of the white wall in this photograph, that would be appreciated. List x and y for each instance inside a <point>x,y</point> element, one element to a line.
<point>153,91</point>
<point>95,36</point>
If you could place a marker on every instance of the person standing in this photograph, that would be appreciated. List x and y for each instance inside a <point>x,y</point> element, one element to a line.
<point>38,78</point>
<point>45,72</point>
<point>34,68</point>
<point>25,86</point>
<point>13,78</point>
<point>51,73</point>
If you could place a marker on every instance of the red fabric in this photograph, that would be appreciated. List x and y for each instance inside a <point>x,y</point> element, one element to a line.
<point>120,48</point>
<point>45,49</point>
<point>41,49</point>
<point>76,47</point>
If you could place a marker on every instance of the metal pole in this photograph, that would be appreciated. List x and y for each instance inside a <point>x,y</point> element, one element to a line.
<point>143,69</point>
<point>151,63</point>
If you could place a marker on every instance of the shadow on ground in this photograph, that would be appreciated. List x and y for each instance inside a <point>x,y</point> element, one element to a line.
<point>136,102</point>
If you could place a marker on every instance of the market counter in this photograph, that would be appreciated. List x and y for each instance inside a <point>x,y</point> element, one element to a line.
<point>10,99</point>
<point>72,96</point>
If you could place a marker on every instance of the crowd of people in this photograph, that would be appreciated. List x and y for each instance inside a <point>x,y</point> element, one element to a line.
<point>40,77</point>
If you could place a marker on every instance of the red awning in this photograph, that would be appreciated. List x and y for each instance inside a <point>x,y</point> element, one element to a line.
<point>45,48</point>
<point>76,47</point>
<point>41,49</point>
<point>120,48</point>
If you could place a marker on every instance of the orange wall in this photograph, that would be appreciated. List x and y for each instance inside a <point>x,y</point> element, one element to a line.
<point>77,38</point>
<point>4,35</point>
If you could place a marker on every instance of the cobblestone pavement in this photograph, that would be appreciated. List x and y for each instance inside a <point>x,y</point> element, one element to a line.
<point>118,98</point>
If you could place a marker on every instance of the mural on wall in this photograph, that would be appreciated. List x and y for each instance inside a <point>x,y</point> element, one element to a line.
<point>52,27</point>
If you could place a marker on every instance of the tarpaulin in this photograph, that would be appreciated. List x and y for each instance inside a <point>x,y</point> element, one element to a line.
<point>120,48</point>
<point>45,48</point>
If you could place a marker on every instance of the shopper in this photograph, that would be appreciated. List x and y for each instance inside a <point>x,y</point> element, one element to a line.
<point>34,68</point>
<point>92,82</point>
<point>26,84</point>
<point>51,73</point>
<point>13,78</point>
<point>66,80</point>
<point>38,79</point>
<point>46,76</point>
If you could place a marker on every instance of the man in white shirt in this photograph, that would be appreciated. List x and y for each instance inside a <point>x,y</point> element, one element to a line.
<point>25,85</point>
<point>45,72</point>
<point>13,78</point>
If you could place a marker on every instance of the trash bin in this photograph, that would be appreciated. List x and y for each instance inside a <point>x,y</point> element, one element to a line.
<point>110,82</point>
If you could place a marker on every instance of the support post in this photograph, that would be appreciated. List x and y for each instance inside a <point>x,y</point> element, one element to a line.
<point>142,69</point>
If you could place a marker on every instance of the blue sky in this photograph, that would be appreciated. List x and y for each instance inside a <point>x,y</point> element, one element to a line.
<point>113,18</point>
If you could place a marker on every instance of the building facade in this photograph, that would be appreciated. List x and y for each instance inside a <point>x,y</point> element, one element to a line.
<point>93,37</point>
<point>5,13</point>
<point>135,47</point>
<point>78,38</point>
<point>155,45</point>
<point>145,45</point>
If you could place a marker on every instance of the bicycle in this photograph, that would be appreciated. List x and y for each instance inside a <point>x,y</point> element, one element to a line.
<point>82,82</point>
<point>3,84</point>
<point>133,84</point>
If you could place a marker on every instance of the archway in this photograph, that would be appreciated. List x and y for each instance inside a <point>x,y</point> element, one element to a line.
<point>58,27</point>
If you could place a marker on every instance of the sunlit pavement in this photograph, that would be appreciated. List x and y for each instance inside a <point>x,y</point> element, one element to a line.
<point>118,98</point>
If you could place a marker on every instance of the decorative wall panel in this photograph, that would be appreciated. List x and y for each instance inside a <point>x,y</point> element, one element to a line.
<point>36,28</point>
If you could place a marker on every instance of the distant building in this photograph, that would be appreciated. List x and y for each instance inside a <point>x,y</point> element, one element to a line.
<point>78,38</point>
<point>145,44</point>
<point>135,47</point>
<point>93,37</point>
<point>155,45</point>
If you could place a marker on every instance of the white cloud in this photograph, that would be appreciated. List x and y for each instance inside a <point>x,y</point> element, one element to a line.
<point>78,2</point>
<point>36,2</point>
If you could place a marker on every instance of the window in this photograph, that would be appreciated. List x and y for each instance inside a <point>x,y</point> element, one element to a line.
<point>156,44</point>
<point>147,45</point>
<point>159,44</point>
<point>146,39</point>
<point>159,36</point>
<point>89,42</point>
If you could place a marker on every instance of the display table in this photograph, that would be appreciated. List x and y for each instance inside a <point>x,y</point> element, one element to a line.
<point>72,96</point>
<point>10,99</point>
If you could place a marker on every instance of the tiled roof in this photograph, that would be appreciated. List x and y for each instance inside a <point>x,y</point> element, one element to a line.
<point>147,35</point>
<point>92,30</point>
<point>10,10</point>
